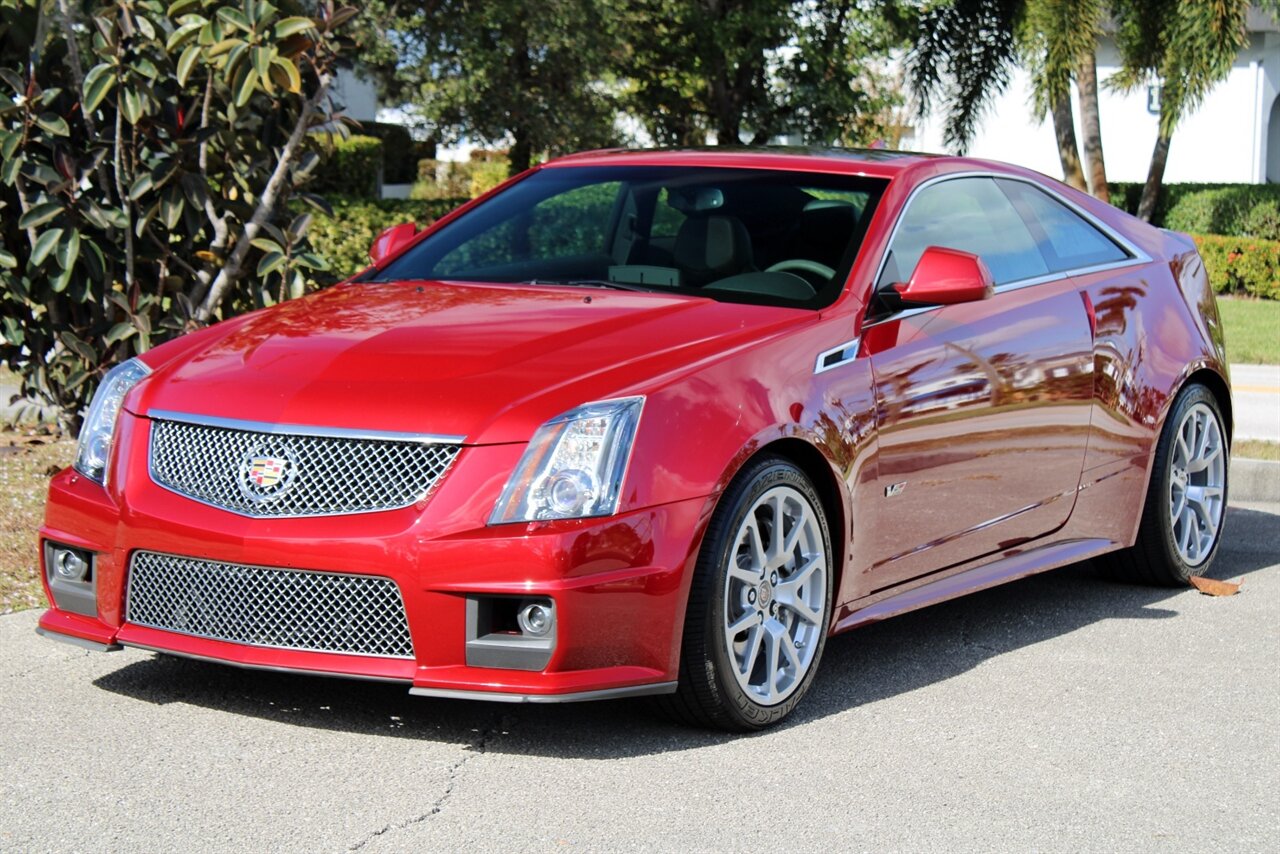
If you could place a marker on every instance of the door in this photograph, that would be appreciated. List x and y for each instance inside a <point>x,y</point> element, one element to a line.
<point>982,408</point>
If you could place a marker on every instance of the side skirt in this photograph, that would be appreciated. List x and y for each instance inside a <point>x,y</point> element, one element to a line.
<point>1010,568</point>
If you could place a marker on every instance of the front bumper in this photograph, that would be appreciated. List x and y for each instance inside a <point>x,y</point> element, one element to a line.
<point>619,584</point>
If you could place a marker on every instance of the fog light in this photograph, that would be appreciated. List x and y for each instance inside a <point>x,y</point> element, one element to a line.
<point>69,565</point>
<point>536,619</point>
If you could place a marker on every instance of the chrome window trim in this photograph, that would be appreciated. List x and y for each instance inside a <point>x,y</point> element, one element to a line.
<point>303,429</point>
<point>844,353</point>
<point>1137,256</point>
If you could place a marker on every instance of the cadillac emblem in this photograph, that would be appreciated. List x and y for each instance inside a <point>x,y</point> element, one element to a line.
<point>267,471</point>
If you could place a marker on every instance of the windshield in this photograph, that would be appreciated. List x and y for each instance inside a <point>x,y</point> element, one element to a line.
<point>737,235</point>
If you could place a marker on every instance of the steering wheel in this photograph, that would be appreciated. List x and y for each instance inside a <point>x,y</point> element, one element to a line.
<point>805,265</point>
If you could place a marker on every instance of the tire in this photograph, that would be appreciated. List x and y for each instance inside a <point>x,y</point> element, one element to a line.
<point>1179,535</point>
<point>779,600</point>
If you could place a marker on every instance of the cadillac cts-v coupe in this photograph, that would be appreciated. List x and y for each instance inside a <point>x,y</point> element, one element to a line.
<point>644,422</point>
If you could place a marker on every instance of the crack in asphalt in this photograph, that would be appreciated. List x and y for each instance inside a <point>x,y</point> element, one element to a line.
<point>475,748</point>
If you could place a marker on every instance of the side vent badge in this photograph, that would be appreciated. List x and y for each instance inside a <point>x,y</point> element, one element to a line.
<point>894,489</point>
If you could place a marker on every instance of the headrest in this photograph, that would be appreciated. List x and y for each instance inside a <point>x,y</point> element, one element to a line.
<point>692,201</point>
<point>713,246</point>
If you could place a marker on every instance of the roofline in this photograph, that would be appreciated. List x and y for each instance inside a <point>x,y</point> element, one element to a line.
<point>884,163</point>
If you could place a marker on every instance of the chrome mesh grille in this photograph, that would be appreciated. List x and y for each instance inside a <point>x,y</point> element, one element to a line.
<point>313,475</point>
<point>283,608</point>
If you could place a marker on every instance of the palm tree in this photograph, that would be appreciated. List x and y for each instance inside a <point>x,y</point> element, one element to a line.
<point>966,50</point>
<point>1058,41</point>
<point>1186,47</point>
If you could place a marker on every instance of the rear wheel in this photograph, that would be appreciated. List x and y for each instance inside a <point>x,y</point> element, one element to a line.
<point>1186,501</point>
<point>760,603</point>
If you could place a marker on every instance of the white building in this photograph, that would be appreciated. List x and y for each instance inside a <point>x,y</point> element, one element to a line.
<point>1234,136</point>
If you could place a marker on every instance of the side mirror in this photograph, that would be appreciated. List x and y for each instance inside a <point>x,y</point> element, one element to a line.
<point>945,277</point>
<point>392,241</point>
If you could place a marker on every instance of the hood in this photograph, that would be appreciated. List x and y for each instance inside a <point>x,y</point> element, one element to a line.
<point>485,362</point>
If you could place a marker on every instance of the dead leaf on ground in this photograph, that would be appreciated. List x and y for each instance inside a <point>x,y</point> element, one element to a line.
<point>1213,587</point>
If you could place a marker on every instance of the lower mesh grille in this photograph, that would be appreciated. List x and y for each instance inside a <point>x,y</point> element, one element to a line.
<point>283,608</point>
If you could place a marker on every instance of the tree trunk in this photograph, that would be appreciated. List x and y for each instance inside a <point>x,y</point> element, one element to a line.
<point>1091,126</point>
<point>1064,127</point>
<point>521,155</point>
<point>1155,177</point>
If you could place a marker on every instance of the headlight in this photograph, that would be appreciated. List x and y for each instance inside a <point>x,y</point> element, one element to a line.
<point>100,424</point>
<point>574,466</point>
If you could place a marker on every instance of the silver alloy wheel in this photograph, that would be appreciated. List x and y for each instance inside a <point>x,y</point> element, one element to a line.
<point>1197,483</point>
<point>775,598</point>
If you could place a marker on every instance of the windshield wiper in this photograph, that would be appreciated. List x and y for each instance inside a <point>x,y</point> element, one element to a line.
<point>589,283</point>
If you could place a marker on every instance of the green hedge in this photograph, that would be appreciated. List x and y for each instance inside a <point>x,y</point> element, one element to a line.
<point>344,239</point>
<point>1241,210</point>
<point>400,151</point>
<point>1241,265</point>
<point>348,167</point>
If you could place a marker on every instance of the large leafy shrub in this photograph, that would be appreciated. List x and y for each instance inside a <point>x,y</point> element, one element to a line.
<point>147,154</point>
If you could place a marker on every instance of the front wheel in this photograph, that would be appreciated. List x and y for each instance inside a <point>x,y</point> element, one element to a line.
<point>1186,501</point>
<point>760,603</point>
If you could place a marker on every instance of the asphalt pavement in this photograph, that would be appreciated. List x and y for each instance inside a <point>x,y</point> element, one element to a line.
<point>1058,713</point>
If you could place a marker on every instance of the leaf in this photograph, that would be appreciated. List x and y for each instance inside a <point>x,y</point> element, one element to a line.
<point>1213,587</point>
<point>7,261</point>
<point>10,144</point>
<point>9,171</point>
<point>171,206</point>
<point>120,332</point>
<point>261,58</point>
<point>79,346</point>
<point>131,105</point>
<point>182,7</point>
<point>266,245</point>
<point>44,245</point>
<point>270,262</point>
<point>98,83</point>
<point>39,214</point>
<point>341,16</point>
<point>183,34</point>
<point>69,250</point>
<point>186,62</point>
<point>95,264</point>
<point>317,202</point>
<point>247,87</point>
<point>286,76</point>
<point>286,27</point>
<point>145,67</point>
<point>313,261</point>
<point>144,184</point>
<point>53,123</point>
<point>235,18</point>
<point>60,282</point>
<point>300,225</point>
<point>13,331</point>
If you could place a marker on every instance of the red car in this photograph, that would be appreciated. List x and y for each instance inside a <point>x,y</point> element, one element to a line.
<point>659,423</point>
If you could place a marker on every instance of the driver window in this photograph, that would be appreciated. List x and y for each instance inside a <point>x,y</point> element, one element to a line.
<point>970,214</point>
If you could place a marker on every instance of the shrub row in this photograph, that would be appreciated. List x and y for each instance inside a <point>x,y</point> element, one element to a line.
<point>1238,210</point>
<point>344,238</point>
<point>400,151</point>
<point>348,167</point>
<point>1241,265</point>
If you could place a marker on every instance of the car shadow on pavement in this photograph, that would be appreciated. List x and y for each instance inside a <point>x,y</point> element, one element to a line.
<point>860,667</point>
